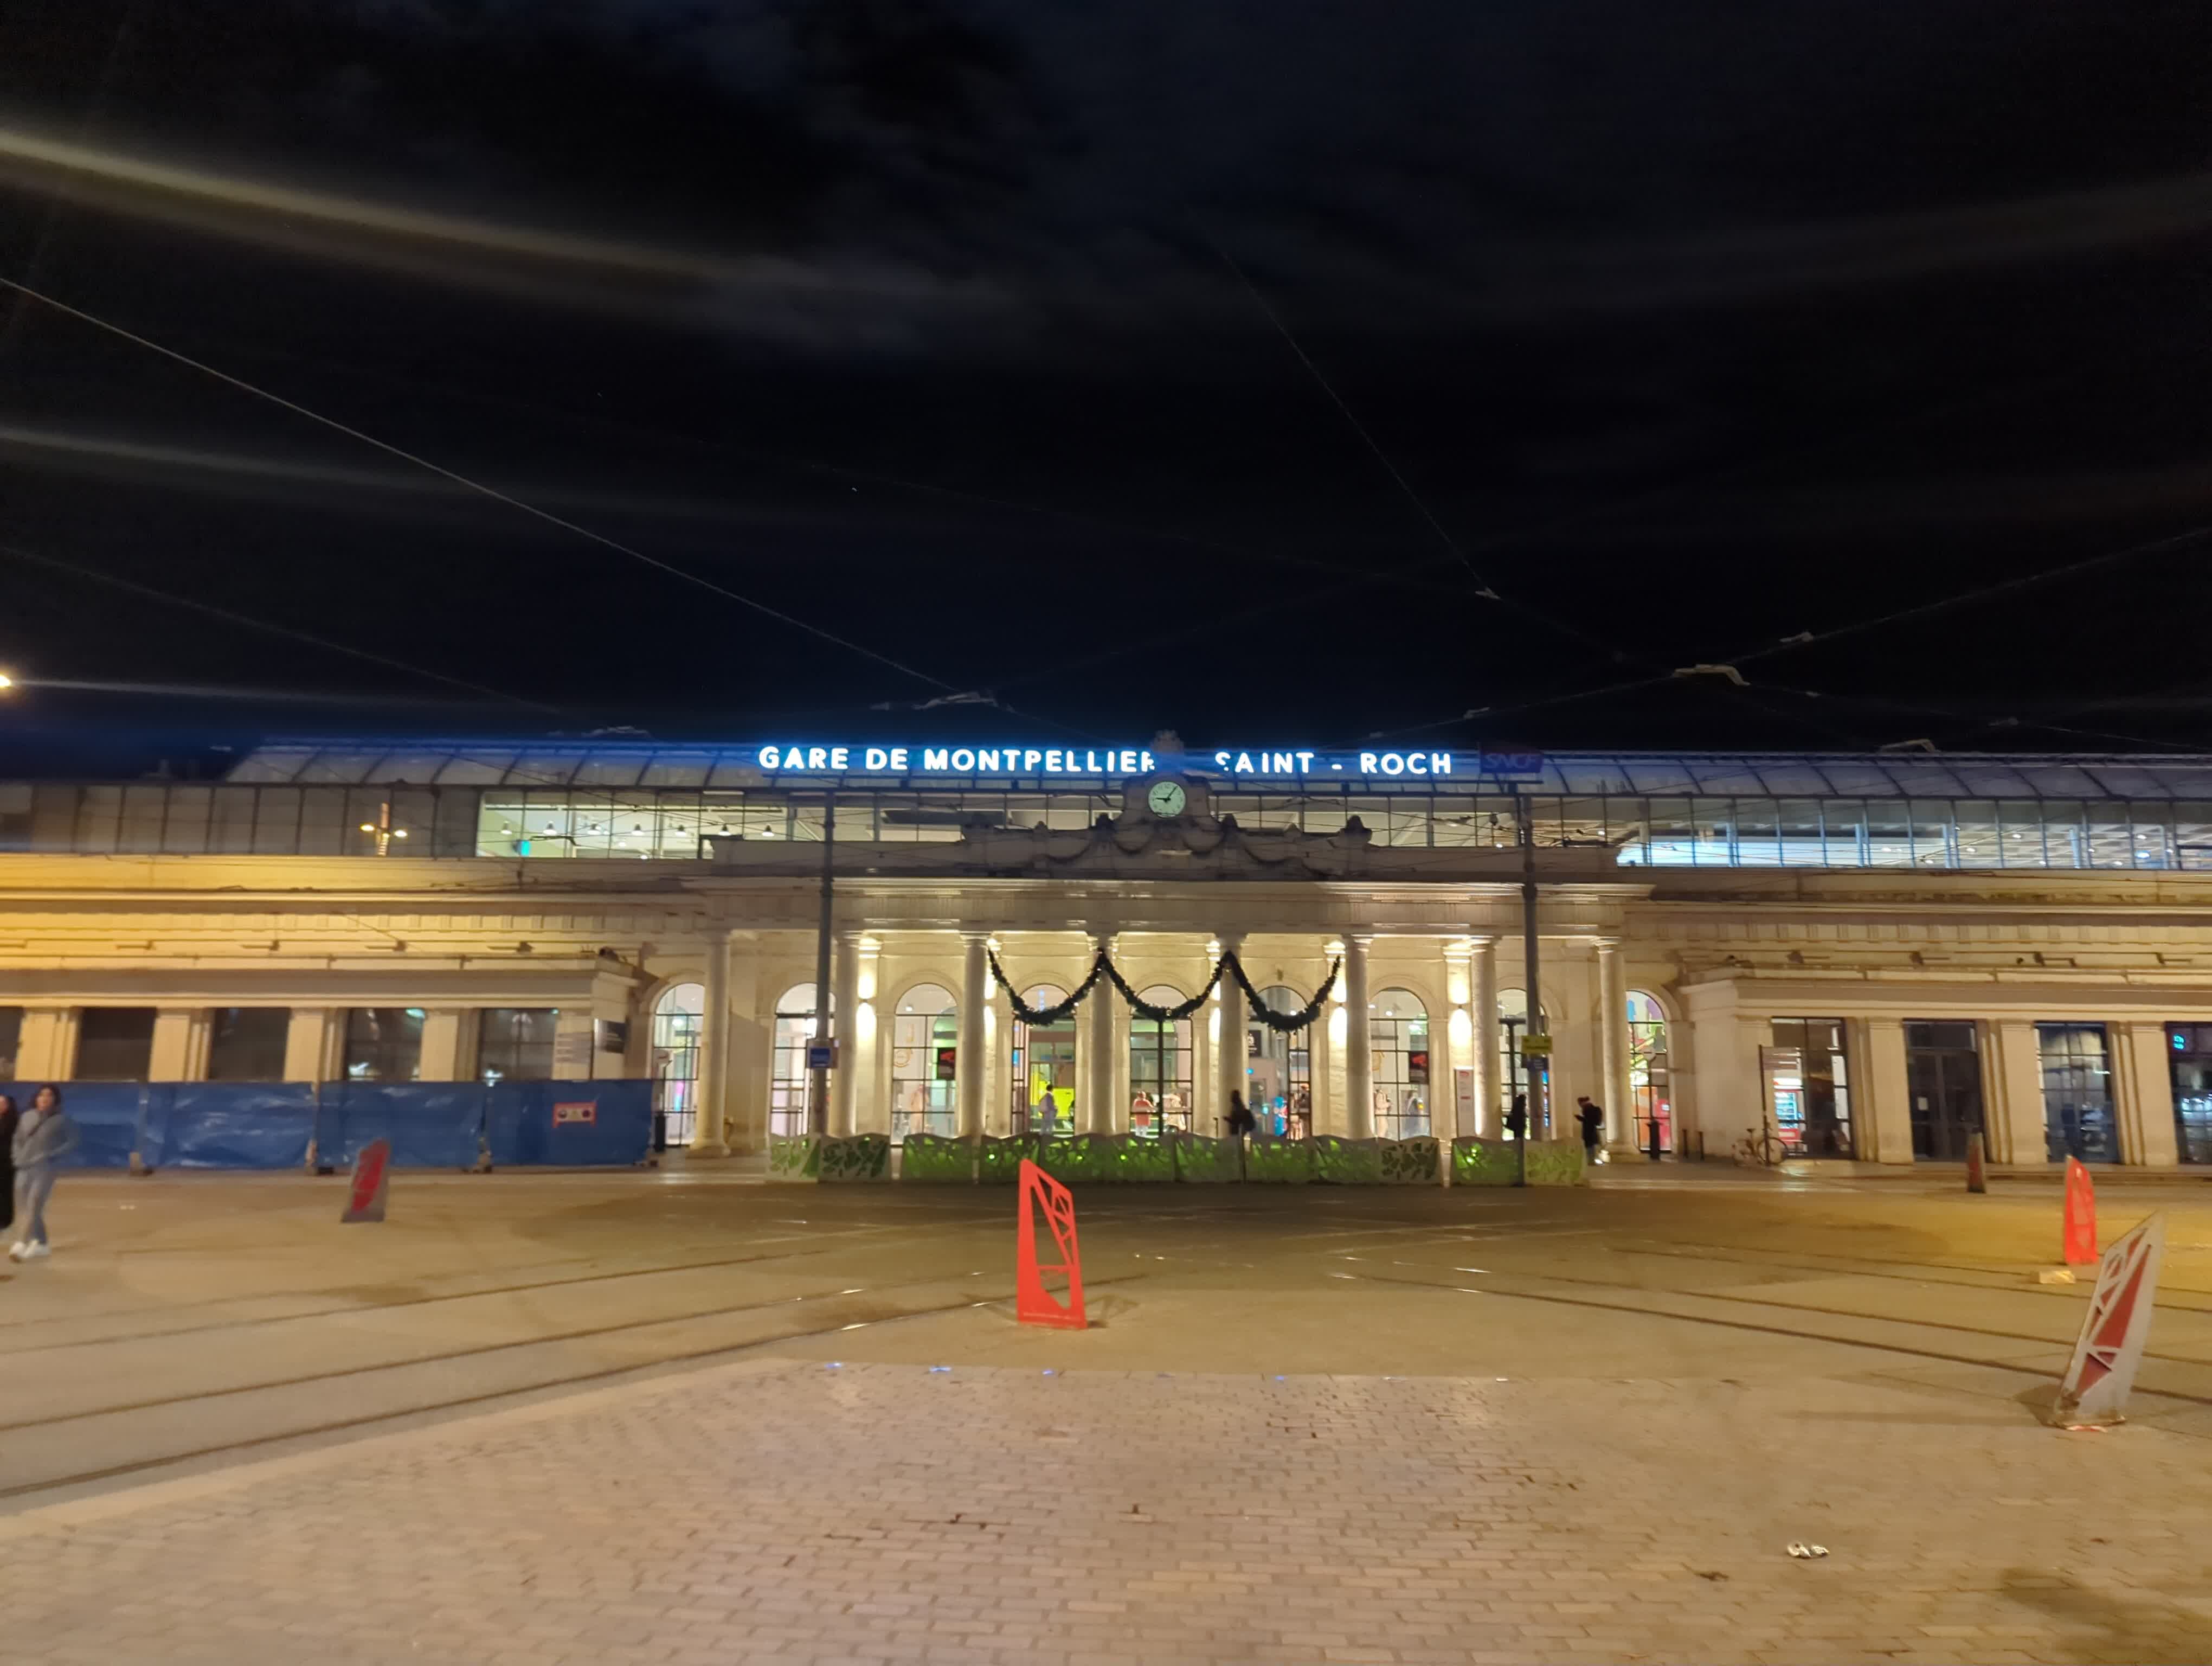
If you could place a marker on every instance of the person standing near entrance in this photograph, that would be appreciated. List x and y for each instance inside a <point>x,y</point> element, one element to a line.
<point>1592,1117</point>
<point>1516,1120</point>
<point>43,1137</point>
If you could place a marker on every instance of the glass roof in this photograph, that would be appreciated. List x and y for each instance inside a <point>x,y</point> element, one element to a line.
<point>603,764</point>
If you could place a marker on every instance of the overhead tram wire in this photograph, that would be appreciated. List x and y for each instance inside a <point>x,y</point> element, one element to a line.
<point>16,552</point>
<point>2170,541</point>
<point>476,486</point>
<point>1484,589</point>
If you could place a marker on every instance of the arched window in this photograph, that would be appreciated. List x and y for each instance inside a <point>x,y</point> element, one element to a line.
<point>1159,1066</point>
<point>1512,1068</point>
<point>787,1079</point>
<point>678,1018</point>
<point>1399,1025</point>
<point>925,1050</point>
<point>1044,1069</point>
<point>1282,1070</point>
<point>1648,1089</point>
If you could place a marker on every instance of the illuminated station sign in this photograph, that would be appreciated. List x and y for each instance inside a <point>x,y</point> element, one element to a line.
<point>1107,763</point>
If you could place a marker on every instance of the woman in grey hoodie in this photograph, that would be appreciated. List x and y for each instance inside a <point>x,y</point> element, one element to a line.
<point>43,1137</point>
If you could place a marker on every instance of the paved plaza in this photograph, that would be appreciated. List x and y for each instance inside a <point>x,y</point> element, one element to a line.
<point>671,1417</point>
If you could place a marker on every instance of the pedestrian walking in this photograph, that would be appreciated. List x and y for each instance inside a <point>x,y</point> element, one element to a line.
<point>44,1136</point>
<point>1241,1120</point>
<point>1592,1117</point>
<point>1516,1120</point>
<point>9,1117</point>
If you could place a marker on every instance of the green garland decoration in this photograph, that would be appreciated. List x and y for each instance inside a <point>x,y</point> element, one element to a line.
<point>1102,965</point>
<point>1283,1023</point>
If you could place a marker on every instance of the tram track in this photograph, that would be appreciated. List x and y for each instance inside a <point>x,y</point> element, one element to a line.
<point>523,1287</point>
<point>1792,1333</point>
<point>446,1404</point>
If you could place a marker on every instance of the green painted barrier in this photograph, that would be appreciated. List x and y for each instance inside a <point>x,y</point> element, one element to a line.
<point>1340,1162</point>
<point>1106,1160</point>
<point>1490,1163</point>
<point>1409,1162</point>
<point>856,1157</point>
<point>999,1157</point>
<point>1199,1161</point>
<point>1270,1161</point>
<point>935,1159</point>
<point>793,1157</point>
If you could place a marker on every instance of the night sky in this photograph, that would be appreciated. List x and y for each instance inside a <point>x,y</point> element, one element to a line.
<point>1139,367</point>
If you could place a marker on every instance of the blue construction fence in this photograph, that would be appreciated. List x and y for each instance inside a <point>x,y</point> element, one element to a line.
<point>431,1125</point>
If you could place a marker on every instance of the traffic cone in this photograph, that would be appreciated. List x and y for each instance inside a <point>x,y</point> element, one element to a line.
<point>1976,1179</point>
<point>2081,1234</point>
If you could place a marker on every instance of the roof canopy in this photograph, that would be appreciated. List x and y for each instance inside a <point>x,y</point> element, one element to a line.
<point>605,763</point>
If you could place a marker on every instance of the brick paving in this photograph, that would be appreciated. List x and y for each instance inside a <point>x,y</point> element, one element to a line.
<point>779,1511</point>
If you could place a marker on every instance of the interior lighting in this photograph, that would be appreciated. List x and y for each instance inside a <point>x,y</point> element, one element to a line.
<point>6,681</point>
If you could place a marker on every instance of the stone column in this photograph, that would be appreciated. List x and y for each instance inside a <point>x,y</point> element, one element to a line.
<point>1097,1048</point>
<point>1457,1035</point>
<point>449,1044</point>
<point>312,1041</point>
<point>1725,1089</point>
<point>1884,1095</point>
<point>45,1049</point>
<point>845,1005</point>
<point>180,1051</point>
<point>1482,973</point>
<point>1228,1054</point>
<point>971,1068</point>
<point>1358,1042</point>
<point>2143,1100</point>
<point>1612,1045</point>
<point>2012,1104</point>
<point>709,1138</point>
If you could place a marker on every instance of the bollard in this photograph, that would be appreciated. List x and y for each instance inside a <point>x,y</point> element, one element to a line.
<point>372,1173</point>
<point>2079,1232</point>
<point>1977,1180</point>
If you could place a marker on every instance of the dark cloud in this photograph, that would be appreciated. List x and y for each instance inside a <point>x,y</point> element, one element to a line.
<point>1693,326</point>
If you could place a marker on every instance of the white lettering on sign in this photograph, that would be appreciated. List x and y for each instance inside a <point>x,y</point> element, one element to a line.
<point>1092,762</point>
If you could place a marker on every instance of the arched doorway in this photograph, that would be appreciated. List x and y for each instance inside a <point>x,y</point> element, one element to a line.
<point>1044,1068</point>
<point>1282,1070</point>
<point>678,1018</point>
<point>1398,1055</point>
<point>788,1078</point>
<point>1650,1091</point>
<point>1512,1068</point>
<point>1159,1066</point>
<point>925,1051</point>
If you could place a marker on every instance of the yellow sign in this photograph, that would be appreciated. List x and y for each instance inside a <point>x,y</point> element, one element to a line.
<point>1536,1046</point>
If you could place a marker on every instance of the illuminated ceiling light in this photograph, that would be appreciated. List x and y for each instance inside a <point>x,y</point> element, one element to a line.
<point>399,832</point>
<point>368,827</point>
<point>6,681</point>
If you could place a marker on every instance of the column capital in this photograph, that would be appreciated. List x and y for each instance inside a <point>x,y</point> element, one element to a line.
<point>968,935</point>
<point>1360,939</point>
<point>1606,945</point>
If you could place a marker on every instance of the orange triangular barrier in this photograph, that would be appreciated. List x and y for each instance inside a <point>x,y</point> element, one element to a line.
<point>2080,1215</point>
<point>1033,1302</point>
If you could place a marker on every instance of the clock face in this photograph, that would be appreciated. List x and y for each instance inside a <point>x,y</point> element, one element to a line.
<point>1166,798</point>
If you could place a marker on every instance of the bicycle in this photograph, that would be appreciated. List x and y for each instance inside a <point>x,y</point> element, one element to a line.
<point>1760,1148</point>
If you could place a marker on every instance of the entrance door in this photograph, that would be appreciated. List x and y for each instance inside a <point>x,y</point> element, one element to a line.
<point>2189,1055</point>
<point>1943,1080</point>
<point>1044,1070</point>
